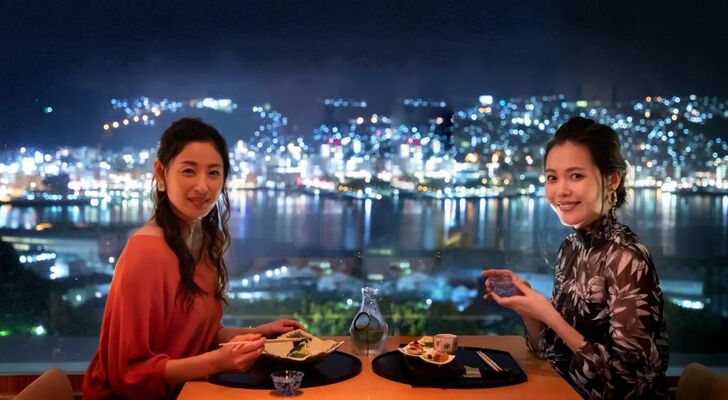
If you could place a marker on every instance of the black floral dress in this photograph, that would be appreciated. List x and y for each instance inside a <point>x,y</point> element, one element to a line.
<point>606,287</point>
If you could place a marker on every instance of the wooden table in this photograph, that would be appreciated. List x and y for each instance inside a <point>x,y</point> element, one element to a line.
<point>543,382</point>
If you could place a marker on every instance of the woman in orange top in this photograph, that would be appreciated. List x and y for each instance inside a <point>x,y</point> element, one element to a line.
<point>161,324</point>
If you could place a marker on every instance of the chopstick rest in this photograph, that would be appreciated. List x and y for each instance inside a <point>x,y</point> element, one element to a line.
<point>472,372</point>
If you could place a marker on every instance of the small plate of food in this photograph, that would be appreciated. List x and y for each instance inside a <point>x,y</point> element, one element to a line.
<point>436,357</point>
<point>412,349</point>
<point>417,347</point>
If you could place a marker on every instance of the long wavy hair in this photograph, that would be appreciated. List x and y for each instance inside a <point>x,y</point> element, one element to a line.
<point>214,225</point>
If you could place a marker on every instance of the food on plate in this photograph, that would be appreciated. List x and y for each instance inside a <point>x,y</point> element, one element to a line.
<point>300,349</point>
<point>415,348</point>
<point>426,341</point>
<point>437,356</point>
<point>420,347</point>
<point>424,349</point>
<point>309,349</point>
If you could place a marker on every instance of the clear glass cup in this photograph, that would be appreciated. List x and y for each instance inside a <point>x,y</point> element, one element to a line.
<point>502,285</point>
<point>287,382</point>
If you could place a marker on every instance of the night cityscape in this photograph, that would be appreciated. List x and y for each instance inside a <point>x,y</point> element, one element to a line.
<point>490,149</point>
<point>361,155</point>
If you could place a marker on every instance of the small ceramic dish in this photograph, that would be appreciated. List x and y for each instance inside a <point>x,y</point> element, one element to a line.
<point>309,350</point>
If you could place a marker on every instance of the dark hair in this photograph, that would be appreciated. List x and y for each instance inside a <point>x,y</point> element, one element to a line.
<point>603,145</point>
<point>215,235</point>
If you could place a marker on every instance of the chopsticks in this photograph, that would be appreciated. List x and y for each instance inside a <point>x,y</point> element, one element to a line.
<point>280,340</point>
<point>488,361</point>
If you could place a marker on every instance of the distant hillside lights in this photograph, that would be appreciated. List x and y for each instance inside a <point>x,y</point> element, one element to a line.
<point>480,147</point>
<point>143,111</point>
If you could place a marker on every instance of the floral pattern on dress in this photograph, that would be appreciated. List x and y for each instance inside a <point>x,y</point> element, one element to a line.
<point>606,287</point>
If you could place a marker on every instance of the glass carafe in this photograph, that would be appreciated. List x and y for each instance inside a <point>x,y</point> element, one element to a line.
<point>368,329</point>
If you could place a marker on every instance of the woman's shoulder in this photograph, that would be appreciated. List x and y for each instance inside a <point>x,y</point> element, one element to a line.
<point>149,236</point>
<point>626,249</point>
<point>147,245</point>
<point>149,229</point>
<point>624,239</point>
<point>146,258</point>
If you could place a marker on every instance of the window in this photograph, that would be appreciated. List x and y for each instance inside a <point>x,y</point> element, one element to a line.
<point>394,146</point>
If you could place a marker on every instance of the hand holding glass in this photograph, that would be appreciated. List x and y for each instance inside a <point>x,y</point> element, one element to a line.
<point>501,283</point>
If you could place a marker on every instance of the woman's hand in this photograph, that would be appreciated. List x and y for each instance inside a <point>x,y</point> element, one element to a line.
<point>527,303</point>
<point>501,273</point>
<point>279,327</point>
<point>239,357</point>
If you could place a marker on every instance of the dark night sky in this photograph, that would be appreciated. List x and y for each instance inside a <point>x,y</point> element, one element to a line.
<point>75,57</point>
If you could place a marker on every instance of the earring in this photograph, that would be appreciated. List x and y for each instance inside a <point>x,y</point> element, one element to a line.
<point>613,198</point>
<point>161,187</point>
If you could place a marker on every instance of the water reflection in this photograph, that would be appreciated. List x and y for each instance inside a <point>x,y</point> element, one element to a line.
<point>671,225</point>
<point>687,234</point>
<point>367,221</point>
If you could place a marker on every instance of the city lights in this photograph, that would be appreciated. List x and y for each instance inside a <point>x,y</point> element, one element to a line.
<point>476,155</point>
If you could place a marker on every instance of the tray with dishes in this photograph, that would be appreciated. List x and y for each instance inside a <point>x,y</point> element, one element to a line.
<point>418,363</point>
<point>298,350</point>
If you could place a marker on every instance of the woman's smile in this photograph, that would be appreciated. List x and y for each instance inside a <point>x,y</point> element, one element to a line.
<point>199,201</point>
<point>566,206</point>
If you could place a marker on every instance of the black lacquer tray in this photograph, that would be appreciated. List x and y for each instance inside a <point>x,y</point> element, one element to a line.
<point>336,367</point>
<point>416,372</point>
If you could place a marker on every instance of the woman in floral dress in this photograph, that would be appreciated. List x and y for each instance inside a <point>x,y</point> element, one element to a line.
<point>604,328</point>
